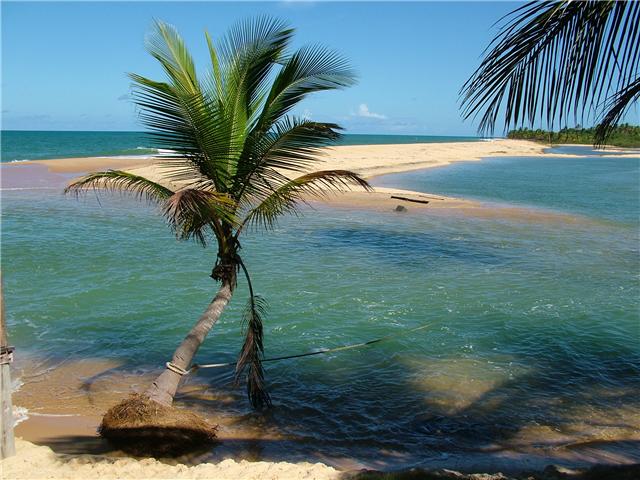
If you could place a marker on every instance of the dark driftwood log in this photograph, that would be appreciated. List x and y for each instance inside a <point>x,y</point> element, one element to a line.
<point>409,199</point>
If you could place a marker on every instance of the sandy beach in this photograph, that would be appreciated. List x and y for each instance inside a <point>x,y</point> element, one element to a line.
<point>369,161</point>
<point>35,462</point>
<point>366,160</point>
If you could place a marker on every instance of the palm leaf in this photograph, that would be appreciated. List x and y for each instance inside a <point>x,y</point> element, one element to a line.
<point>308,70</point>
<point>555,60</point>
<point>286,198</point>
<point>181,114</point>
<point>118,180</point>
<point>166,45</point>
<point>250,357</point>
<point>616,106</point>
<point>247,54</point>
<point>292,145</point>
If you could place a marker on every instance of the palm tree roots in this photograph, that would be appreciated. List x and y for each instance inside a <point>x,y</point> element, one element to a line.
<point>142,427</point>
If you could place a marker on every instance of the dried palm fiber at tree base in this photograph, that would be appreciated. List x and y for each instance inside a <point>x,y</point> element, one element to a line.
<point>143,427</point>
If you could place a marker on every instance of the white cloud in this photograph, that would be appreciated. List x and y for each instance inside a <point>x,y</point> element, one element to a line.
<point>364,112</point>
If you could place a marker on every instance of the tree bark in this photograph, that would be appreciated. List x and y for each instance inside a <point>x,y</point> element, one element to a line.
<point>164,388</point>
<point>7,444</point>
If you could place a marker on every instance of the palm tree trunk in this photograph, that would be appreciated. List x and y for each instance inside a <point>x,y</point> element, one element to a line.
<point>164,388</point>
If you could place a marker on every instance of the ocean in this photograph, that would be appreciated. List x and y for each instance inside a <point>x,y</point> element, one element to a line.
<point>532,348</point>
<point>39,145</point>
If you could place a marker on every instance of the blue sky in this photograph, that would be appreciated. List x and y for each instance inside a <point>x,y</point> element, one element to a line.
<point>64,64</point>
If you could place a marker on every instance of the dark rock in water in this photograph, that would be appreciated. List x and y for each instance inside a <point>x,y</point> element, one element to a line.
<point>400,208</point>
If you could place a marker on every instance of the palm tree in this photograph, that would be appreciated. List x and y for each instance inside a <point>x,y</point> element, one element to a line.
<point>236,149</point>
<point>559,59</point>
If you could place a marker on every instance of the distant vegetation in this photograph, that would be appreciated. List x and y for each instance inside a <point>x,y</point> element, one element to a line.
<point>624,135</point>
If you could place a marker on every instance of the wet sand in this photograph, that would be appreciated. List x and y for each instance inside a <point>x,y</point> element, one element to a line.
<point>80,391</point>
<point>382,200</point>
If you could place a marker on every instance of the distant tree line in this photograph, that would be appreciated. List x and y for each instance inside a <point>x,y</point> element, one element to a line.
<point>623,135</point>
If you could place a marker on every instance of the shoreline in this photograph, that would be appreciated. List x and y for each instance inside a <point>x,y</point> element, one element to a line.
<point>59,446</point>
<point>369,161</point>
<point>381,159</point>
<point>48,464</point>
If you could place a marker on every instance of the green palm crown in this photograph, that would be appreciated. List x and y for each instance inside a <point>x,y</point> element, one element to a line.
<point>238,157</point>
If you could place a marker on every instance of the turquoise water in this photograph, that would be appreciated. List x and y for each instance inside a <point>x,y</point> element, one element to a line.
<point>534,334</point>
<point>37,145</point>
<point>598,187</point>
<point>588,151</point>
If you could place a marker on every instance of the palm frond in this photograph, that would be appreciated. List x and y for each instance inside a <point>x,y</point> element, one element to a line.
<point>118,180</point>
<point>191,125</point>
<point>216,72</point>
<point>249,51</point>
<point>292,145</point>
<point>312,185</point>
<point>553,60</point>
<point>616,107</point>
<point>166,45</point>
<point>191,211</point>
<point>250,357</point>
<point>308,70</point>
<point>162,111</point>
<point>247,55</point>
<point>182,115</point>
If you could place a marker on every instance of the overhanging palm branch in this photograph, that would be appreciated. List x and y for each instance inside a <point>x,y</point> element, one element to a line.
<point>617,105</point>
<point>555,60</point>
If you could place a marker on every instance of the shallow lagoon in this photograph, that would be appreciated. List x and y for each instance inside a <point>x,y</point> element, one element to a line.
<point>534,339</point>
